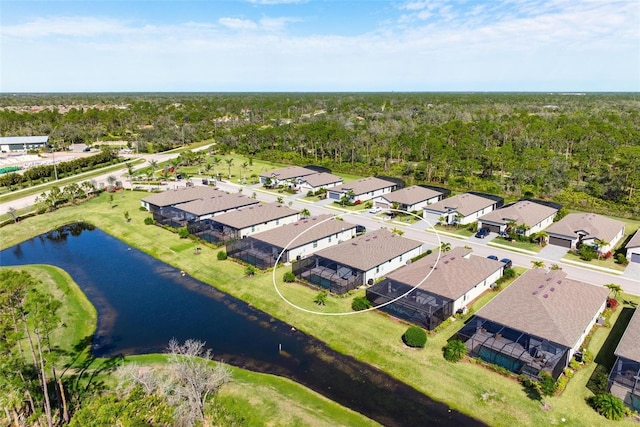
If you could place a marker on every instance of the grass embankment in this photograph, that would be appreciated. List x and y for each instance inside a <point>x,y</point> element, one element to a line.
<point>370,337</point>
<point>259,399</point>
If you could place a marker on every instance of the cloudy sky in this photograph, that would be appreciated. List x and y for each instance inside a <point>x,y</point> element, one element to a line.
<point>308,45</point>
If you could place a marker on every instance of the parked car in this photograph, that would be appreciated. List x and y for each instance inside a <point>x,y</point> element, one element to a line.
<point>493,257</point>
<point>86,149</point>
<point>375,210</point>
<point>482,233</point>
<point>507,262</point>
<point>360,230</point>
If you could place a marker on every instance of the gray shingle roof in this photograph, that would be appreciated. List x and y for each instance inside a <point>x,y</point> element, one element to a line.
<point>370,250</point>
<point>465,204</point>
<point>453,276</point>
<point>635,241</point>
<point>181,195</point>
<point>522,212</point>
<point>218,203</point>
<point>321,178</point>
<point>24,139</point>
<point>547,305</point>
<point>629,345</point>
<point>597,226</point>
<point>289,172</point>
<point>364,185</point>
<point>254,215</point>
<point>322,225</point>
<point>411,195</point>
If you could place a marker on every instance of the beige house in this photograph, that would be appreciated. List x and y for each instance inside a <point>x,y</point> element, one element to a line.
<point>624,380</point>
<point>633,248</point>
<point>363,189</point>
<point>409,199</point>
<point>535,216</point>
<point>461,209</point>
<point>586,228</point>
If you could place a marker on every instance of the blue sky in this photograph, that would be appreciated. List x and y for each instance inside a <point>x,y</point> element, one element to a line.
<point>307,45</point>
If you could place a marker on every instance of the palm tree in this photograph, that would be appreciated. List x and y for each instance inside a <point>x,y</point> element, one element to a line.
<point>601,244</point>
<point>215,161</point>
<point>537,264</point>
<point>130,173</point>
<point>457,218</point>
<point>229,163</point>
<point>445,246</point>
<point>305,213</point>
<point>540,237</point>
<point>455,350</point>
<point>153,164</point>
<point>244,167</point>
<point>614,288</point>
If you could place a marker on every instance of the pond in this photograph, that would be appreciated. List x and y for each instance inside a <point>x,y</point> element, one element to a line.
<point>142,303</point>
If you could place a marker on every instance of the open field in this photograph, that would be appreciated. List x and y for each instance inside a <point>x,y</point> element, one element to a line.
<point>371,337</point>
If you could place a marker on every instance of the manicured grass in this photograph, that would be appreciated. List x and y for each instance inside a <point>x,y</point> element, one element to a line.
<point>371,337</point>
<point>454,230</point>
<point>605,263</point>
<point>516,244</point>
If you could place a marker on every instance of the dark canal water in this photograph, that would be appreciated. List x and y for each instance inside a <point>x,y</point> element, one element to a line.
<point>142,303</point>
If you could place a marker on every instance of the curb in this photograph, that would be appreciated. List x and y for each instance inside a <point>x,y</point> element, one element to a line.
<point>592,267</point>
<point>509,248</point>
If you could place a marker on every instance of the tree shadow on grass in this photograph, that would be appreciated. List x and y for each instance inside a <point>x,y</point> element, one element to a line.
<point>598,382</point>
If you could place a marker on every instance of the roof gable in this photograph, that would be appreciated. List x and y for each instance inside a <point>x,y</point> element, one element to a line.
<point>465,204</point>
<point>303,231</point>
<point>411,195</point>
<point>587,224</point>
<point>254,215</point>
<point>629,345</point>
<point>363,186</point>
<point>522,212</point>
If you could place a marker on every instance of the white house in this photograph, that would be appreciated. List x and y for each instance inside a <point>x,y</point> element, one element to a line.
<point>586,228</point>
<point>444,284</point>
<point>633,248</point>
<point>462,208</point>
<point>253,219</point>
<point>533,215</point>
<point>362,189</point>
<point>317,181</point>
<point>23,143</point>
<point>284,176</point>
<point>357,262</point>
<point>409,199</point>
<point>301,239</point>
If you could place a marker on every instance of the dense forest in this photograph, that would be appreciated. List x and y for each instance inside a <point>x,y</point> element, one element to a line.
<point>582,150</point>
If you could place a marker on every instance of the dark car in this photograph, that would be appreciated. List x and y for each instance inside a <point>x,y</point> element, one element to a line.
<point>360,230</point>
<point>507,262</point>
<point>482,233</point>
<point>493,257</point>
<point>87,149</point>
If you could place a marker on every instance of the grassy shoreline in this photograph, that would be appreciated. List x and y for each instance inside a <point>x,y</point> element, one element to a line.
<point>370,337</point>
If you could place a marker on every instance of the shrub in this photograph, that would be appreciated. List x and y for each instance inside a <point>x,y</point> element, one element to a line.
<point>222,255</point>
<point>415,337</point>
<point>360,303</point>
<point>587,253</point>
<point>183,232</point>
<point>289,277</point>
<point>249,270</point>
<point>609,406</point>
<point>547,384</point>
<point>612,303</point>
<point>454,351</point>
<point>149,221</point>
<point>621,259</point>
<point>321,298</point>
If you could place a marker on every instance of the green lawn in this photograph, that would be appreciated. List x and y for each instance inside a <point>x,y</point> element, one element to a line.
<point>516,244</point>
<point>371,337</point>
<point>605,263</point>
<point>454,230</point>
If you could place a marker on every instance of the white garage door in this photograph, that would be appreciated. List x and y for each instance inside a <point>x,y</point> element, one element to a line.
<point>635,258</point>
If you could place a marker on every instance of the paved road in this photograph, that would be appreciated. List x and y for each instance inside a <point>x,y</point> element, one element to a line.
<point>629,282</point>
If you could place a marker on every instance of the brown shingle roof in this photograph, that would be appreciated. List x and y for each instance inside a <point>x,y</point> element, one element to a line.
<point>522,212</point>
<point>288,172</point>
<point>547,305</point>
<point>254,215</point>
<point>453,276</point>
<point>181,195</point>
<point>465,204</point>
<point>219,203</point>
<point>368,251</point>
<point>364,185</point>
<point>323,226</point>
<point>412,195</point>
<point>629,346</point>
<point>635,241</point>
<point>597,226</point>
<point>321,178</point>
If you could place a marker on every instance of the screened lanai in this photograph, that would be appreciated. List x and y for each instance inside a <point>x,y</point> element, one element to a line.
<point>255,252</point>
<point>514,350</point>
<point>625,381</point>
<point>209,231</point>
<point>337,278</point>
<point>419,306</point>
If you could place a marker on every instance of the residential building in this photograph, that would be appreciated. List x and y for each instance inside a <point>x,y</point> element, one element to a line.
<point>284,176</point>
<point>10,144</point>
<point>362,189</point>
<point>318,181</point>
<point>248,221</point>
<point>293,241</point>
<point>586,228</point>
<point>624,380</point>
<point>460,209</point>
<point>536,324</point>
<point>409,199</point>
<point>528,216</point>
<point>435,287</point>
<point>357,262</point>
<point>633,248</point>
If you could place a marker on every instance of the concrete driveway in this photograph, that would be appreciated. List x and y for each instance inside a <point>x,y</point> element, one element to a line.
<point>553,252</point>
<point>632,271</point>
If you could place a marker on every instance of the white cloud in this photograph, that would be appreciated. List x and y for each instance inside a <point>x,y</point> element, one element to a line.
<point>275,2</point>
<point>238,24</point>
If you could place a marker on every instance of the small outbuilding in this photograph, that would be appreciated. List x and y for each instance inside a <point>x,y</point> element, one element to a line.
<point>10,144</point>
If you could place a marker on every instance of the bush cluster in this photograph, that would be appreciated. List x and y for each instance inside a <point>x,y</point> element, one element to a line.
<point>289,277</point>
<point>222,255</point>
<point>415,337</point>
<point>360,303</point>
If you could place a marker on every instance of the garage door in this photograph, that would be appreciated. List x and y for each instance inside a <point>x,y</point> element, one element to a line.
<point>382,205</point>
<point>492,228</point>
<point>334,195</point>
<point>560,242</point>
<point>635,258</point>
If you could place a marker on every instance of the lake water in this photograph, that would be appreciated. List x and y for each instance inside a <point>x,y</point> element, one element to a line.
<point>142,303</point>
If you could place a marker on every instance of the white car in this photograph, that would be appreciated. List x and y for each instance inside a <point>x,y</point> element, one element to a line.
<point>375,210</point>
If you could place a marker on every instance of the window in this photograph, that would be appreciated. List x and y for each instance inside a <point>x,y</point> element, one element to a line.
<point>315,244</point>
<point>277,222</point>
<point>377,269</point>
<point>253,228</point>
<point>400,258</point>
<point>329,239</point>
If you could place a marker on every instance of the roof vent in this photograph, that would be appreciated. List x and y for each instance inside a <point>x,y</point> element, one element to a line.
<point>559,282</point>
<point>552,289</point>
<point>534,293</point>
<point>446,262</point>
<point>541,286</point>
<point>545,296</point>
